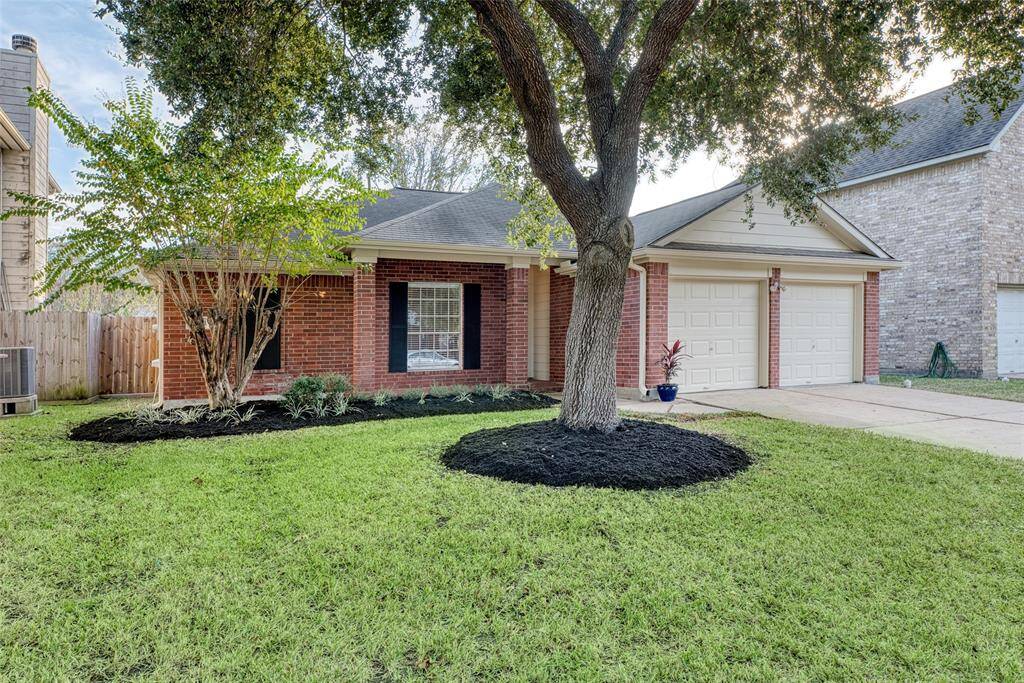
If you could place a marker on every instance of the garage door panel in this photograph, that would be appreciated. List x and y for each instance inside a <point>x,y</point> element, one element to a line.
<point>816,334</point>
<point>718,323</point>
<point>1009,330</point>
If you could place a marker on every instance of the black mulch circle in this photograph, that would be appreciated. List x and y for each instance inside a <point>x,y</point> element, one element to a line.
<point>637,455</point>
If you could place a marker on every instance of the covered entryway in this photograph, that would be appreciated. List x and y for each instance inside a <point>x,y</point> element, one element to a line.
<point>1010,330</point>
<point>718,322</point>
<point>816,328</point>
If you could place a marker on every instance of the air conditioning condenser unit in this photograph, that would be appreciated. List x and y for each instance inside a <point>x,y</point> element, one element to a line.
<point>17,381</point>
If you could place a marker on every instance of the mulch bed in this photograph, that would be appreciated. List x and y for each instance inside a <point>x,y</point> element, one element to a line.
<point>271,417</point>
<point>637,455</point>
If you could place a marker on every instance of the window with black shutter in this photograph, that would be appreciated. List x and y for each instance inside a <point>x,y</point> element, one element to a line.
<point>270,359</point>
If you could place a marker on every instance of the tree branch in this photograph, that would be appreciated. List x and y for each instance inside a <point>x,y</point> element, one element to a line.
<point>526,74</point>
<point>597,71</point>
<point>661,38</point>
<point>627,17</point>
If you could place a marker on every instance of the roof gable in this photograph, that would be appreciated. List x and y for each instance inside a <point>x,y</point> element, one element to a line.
<point>936,133</point>
<point>723,226</point>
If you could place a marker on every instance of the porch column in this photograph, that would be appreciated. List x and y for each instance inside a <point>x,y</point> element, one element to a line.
<point>364,327</point>
<point>871,329</point>
<point>517,321</point>
<point>774,304</point>
<point>657,321</point>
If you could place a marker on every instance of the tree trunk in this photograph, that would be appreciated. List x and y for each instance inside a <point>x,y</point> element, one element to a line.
<point>588,400</point>
<point>221,393</point>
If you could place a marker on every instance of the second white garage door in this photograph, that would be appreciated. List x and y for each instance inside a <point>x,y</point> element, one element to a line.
<point>717,320</point>
<point>816,334</point>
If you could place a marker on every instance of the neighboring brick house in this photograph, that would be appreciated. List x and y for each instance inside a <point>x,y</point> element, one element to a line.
<point>24,167</point>
<point>947,199</point>
<point>441,297</point>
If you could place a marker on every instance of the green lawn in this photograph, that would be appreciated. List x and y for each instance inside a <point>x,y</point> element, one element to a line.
<point>985,388</point>
<point>349,553</point>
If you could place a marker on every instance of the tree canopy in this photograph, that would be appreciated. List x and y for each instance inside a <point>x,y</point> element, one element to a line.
<point>216,229</point>
<point>746,79</point>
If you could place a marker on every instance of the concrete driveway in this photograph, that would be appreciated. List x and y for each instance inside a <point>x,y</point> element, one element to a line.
<point>981,424</point>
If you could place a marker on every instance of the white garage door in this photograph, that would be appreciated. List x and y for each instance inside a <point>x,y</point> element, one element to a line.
<point>1010,330</point>
<point>718,323</point>
<point>815,334</point>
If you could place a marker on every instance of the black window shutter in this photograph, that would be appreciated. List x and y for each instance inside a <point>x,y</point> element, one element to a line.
<point>398,326</point>
<point>471,326</point>
<point>270,359</point>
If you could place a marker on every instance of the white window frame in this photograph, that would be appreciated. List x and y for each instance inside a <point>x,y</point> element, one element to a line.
<point>459,333</point>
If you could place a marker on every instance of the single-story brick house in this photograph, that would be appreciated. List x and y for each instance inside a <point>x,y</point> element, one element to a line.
<point>448,300</point>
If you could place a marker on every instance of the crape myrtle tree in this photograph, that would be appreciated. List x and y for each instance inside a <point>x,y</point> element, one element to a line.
<point>228,236</point>
<point>580,99</point>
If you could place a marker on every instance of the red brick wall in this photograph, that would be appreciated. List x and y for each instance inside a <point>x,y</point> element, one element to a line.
<point>627,363</point>
<point>317,332</point>
<point>657,319</point>
<point>316,335</point>
<point>517,326</point>
<point>627,356</point>
<point>774,301</point>
<point>871,327</point>
<point>491,277</point>
<point>561,307</point>
<point>364,325</point>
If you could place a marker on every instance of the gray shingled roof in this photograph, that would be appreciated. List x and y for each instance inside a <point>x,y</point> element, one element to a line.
<point>400,201</point>
<point>937,131</point>
<point>650,226</point>
<point>478,218</point>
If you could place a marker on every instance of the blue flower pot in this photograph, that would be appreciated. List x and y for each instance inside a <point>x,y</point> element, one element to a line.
<point>668,392</point>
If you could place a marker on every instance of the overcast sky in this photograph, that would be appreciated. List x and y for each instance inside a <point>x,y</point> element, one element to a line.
<point>84,59</point>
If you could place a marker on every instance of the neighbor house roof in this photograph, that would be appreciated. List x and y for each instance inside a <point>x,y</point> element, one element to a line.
<point>10,137</point>
<point>935,133</point>
<point>651,226</point>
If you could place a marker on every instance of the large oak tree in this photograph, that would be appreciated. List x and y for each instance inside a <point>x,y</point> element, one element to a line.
<point>580,99</point>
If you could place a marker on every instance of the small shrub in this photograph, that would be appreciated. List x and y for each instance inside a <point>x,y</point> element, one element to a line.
<point>336,384</point>
<point>383,397</point>
<point>148,415</point>
<point>294,409</point>
<point>322,408</point>
<point>360,396</point>
<point>482,389</point>
<point>463,396</point>
<point>248,415</point>
<point>500,392</point>
<point>340,405</point>
<point>186,416</point>
<point>306,390</point>
<point>228,415</point>
<point>414,395</point>
<point>438,391</point>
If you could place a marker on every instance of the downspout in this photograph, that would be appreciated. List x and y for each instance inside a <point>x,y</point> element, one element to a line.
<point>642,379</point>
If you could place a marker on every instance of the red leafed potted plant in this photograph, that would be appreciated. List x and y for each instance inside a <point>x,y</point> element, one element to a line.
<point>670,363</point>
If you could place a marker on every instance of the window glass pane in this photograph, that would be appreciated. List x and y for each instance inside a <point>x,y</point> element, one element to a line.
<point>435,326</point>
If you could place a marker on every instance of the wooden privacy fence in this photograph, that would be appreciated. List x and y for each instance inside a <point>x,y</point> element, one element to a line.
<point>127,349</point>
<point>79,355</point>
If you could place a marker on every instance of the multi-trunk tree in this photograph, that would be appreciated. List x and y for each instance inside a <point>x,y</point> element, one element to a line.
<point>228,236</point>
<point>580,99</point>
